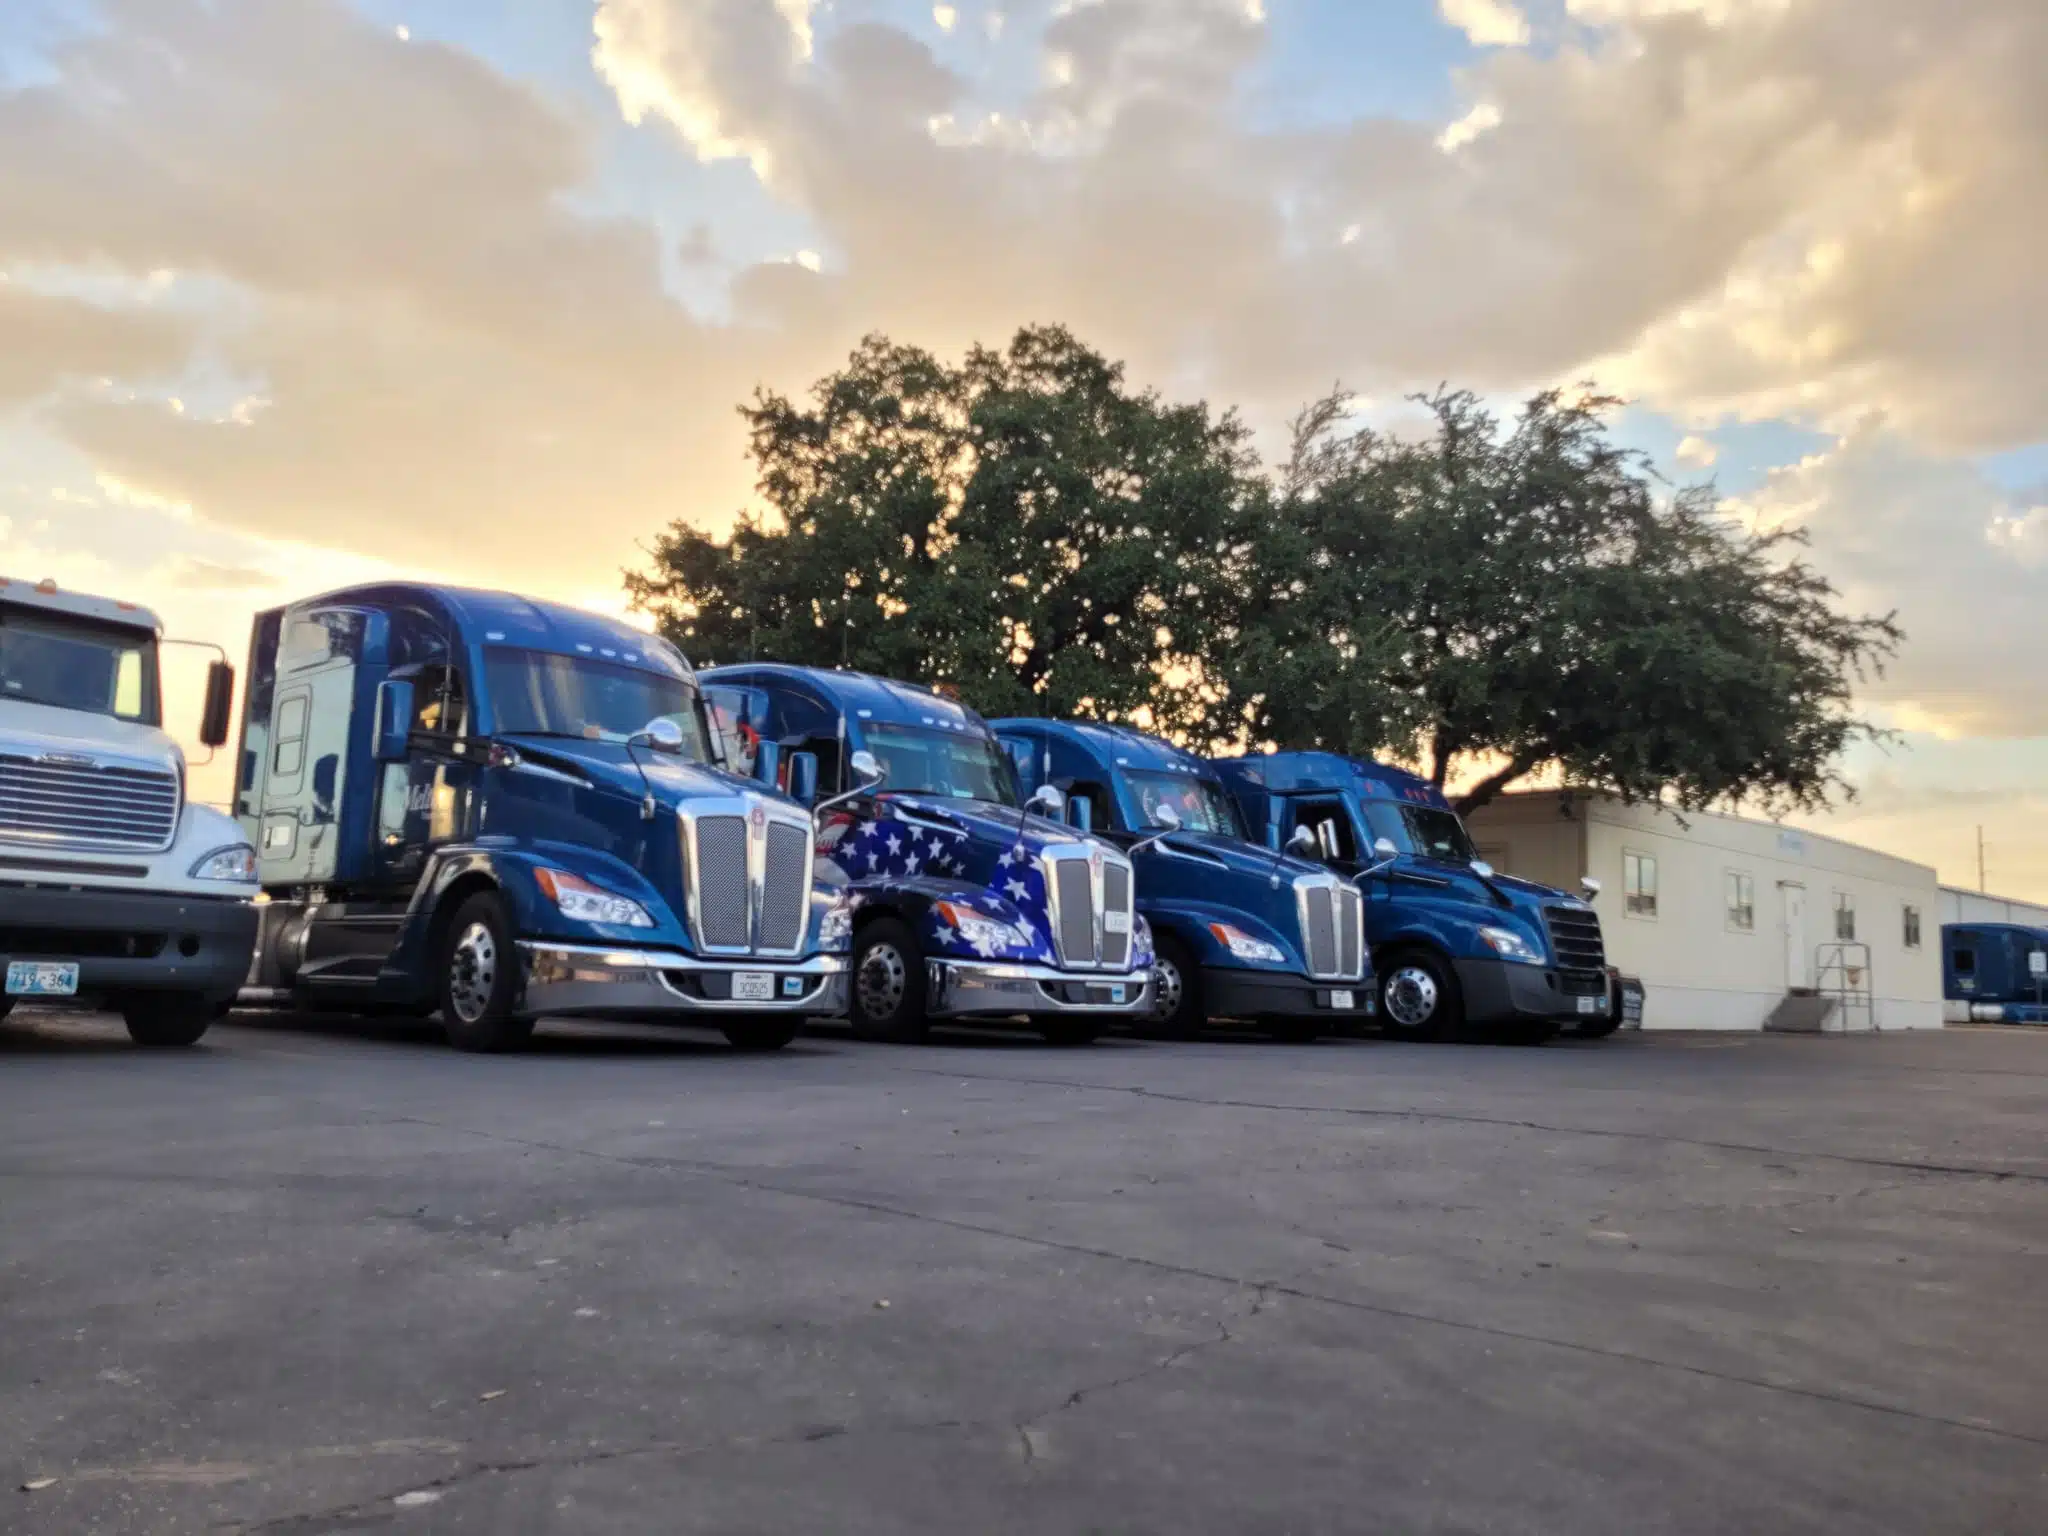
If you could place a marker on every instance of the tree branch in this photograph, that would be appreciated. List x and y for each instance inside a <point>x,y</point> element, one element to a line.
<point>1488,789</point>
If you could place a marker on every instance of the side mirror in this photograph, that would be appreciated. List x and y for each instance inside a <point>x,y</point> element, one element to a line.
<point>1048,802</point>
<point>1168,822</point>
<point>868,768</point>
<point>1167,817</point>
<point>1590,886</point>
<point>393,726</point>
<point>1302,843</point>
<point>768,763</point>
<point>220,703</point>
<point>1081,814</point>
<point>803,777</point>
<point>664,735</point>
<point>1383,848</point>
<point>1482,869</point>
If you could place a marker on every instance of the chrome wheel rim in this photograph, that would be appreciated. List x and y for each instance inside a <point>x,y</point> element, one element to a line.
<point>473,972</point>
<point>1166,989</point>
<point>1411,996</point>
<point>882,981</point>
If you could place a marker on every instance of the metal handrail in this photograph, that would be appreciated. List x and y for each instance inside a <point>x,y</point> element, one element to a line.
<point>1854,987</point>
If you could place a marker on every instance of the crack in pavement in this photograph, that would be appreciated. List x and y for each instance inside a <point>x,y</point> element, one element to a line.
<point>738,1179</point>
<point>1956,1170</point>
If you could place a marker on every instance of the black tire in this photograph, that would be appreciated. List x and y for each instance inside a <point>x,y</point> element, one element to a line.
<point>761,1035</point>
<point>887,1004</point>
<point>480,978</point>
<point>1177,990</point>
<point>6,1006</point>
<point>1526,1032</point>
<point>1598,1029</point>
<point>1419,997</point>
<point>1294,1029</point>
<point>167,1020</point>
<point>1062,1029</point>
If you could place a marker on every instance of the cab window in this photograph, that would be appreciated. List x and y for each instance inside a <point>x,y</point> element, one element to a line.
<point>1331,825</point>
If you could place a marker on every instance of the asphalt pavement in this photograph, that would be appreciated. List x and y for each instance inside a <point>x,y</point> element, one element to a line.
<point>322,1276</point>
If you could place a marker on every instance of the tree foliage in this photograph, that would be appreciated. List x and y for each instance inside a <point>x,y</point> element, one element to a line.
<point>1489,600</point>
<point>1022,526</point>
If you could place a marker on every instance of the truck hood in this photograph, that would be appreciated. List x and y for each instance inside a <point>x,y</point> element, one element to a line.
<point>607,766</point>
<point>988,824</point>
<point>33,729</point>
<point>1239,858</point>
<point>1525,897</point>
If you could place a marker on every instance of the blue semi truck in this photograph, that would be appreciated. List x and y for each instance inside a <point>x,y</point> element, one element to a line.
<point>965,904</point>
<point>1241,932</point>
<point>498,809</point>
<point>1996,972</point>
<point>1453,942</point>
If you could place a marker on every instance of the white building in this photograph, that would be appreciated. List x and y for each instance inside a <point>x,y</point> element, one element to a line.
<point>1724,918</point>
<point>1961,906</point>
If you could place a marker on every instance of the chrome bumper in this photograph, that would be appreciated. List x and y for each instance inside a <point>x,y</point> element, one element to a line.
<point>958,988</point>
<point>589,981</point>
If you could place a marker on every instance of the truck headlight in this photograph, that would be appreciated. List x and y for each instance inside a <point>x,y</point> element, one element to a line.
<point>1243,946</point>
<point>982,934</point>
<point>1510,945</point>
<point>835,928</point>
<point>583,902</point>
<point>236,863</point>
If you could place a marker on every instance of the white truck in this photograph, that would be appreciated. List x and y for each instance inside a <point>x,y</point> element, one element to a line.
<point>116,889</point>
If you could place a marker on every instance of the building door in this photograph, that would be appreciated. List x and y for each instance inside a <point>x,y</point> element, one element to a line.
<point>1798,958</point>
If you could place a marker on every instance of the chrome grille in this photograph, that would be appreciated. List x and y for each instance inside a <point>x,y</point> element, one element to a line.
<point>1351,931</point>
<point>1075,890</point>
<point>1320,931</point>
<point>785,886</point>
<point>80,806</point>
<point>720,869</point>
<point>1575,939</point>
<point>1116,897</point>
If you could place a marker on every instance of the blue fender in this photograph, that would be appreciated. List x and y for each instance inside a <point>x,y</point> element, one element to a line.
<point>1188,921</point>
<point>916,901</point>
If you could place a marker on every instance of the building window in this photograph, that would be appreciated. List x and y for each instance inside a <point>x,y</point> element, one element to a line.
<point>1741,902</point>
<point>1912,927</point>
<point>1639,884</point>
<point>1845,918</point>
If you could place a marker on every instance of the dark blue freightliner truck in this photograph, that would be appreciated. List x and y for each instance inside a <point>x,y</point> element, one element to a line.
<point>498,809</point>
<point>966,904</point>
<point>1242,932</point>
<point>1998,972</point>
<point>1453,943</point>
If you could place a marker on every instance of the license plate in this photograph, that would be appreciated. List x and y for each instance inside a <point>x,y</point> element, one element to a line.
<point>753,986</point>
<point>1116,992</point>
<point>1116,922</point>
<point>1592,1005</point>
<point>1343,1000</point>
<point>42,978</point>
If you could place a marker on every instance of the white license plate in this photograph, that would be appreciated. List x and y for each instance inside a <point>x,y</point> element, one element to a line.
<point>1343,1000</point>
<point>42,978</point>
<point>1591,1005</point>
<point>1116,992</point>
<point>1116,922</point>
<point>753,986</point>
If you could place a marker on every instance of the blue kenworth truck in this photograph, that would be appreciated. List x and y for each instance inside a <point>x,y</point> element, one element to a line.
<point>499,809</point>
<point>967,902</point>
<point>1241,932</point>
<point>1995,973</point>
<point>1453,942</point>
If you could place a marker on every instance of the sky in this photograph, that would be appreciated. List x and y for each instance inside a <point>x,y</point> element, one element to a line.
<point>294,292</point>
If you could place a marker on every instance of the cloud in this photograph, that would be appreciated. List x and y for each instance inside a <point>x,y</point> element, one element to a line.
<point>1697,453</point>
<point>205,576</point>
<point>48,339</point>
<point>1488,23</point>
<point>1959,557</point>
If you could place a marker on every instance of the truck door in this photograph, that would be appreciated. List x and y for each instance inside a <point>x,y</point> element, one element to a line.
<point>306,748</point>
<point>1328,819</point>
<point>425,801</point>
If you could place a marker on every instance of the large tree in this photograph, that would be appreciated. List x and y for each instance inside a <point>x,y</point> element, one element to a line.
<point>1501,603</point>
<point>1022,526</point>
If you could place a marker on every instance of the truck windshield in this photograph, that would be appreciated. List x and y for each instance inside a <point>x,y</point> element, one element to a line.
<point>540,693</point>
<point>1202,804</point>
<point>1422,830</point>
<point>73,664</point>
<point>958,767</point>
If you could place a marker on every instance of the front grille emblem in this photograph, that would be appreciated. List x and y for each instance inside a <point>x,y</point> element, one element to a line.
<point>69,760</point>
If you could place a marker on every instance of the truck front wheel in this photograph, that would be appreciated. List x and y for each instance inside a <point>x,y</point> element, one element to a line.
<point>161,1020</point>
<point>888,984</point>
<point>1419,997</point>
<point>1177,1011</point>
<point>479,978</point>
<point>758,1035</point>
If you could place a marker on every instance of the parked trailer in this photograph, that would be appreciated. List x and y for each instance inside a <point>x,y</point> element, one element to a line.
<point>500,809</point>
<point>1242,932</point>
<point>116,889</point>
<point>966,905</point>
<point>1453,941</point>
<point>1995,973</point>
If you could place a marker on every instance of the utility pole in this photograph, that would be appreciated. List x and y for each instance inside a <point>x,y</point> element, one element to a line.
<point>1980,861</point>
